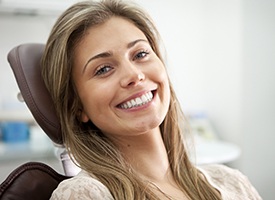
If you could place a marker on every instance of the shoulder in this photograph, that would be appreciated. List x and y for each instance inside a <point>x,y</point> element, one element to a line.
<point>82,186</point>
<point>231,183</point>
<point>216,172</point>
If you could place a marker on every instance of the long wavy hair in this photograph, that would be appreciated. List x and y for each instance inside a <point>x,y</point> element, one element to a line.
<point>92,151</point>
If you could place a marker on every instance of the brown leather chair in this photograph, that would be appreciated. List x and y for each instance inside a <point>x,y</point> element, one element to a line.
<point>35,180</point>
<point>25,63</point>
<point>30,181</point>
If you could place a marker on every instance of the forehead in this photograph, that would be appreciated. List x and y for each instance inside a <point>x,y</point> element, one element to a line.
<point>113,35</point>
<point>114,31</point>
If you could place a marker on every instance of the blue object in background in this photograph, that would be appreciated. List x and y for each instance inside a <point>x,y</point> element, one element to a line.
<point>15,132</point>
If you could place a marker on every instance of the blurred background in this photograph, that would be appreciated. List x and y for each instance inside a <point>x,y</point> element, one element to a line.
<point>221,60</point>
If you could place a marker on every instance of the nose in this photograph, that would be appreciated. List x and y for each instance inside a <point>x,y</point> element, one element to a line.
<point>132,75</point>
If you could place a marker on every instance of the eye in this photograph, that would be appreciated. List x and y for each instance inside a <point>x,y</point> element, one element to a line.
<point>140,55</point>
<point>103,70</point>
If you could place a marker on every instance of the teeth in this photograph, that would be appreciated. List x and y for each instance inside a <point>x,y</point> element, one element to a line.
<point>133,102</point>
<point>144,98</point>
<point>129,104</point>
<point>139,101</point>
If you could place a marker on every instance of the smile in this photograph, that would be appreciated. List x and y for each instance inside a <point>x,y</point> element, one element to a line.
<point>139,101</point>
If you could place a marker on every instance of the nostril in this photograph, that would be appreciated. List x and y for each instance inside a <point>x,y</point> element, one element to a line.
<point>131,83</point>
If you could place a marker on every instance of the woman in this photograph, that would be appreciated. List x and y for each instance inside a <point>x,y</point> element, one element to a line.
<point>119,114</point>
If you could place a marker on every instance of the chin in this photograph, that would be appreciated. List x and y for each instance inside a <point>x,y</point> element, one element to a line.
<point>147,126</point>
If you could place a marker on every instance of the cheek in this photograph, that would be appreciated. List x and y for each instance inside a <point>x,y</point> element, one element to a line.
<point>164,81</point>
<point>162,78</point>
<point>96,100</point>
<point>159,71</point>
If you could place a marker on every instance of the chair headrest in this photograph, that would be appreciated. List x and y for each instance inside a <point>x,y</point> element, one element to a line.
<point>25,63</point>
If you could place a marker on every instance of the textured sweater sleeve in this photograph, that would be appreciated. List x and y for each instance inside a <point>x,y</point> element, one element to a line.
<point>231,183</point>
<point>83,187</point>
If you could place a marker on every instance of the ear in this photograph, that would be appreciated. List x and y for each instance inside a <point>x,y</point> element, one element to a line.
<point>83,116</point>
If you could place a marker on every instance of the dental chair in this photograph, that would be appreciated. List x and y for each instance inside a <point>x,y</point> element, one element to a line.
<point>34,180</point>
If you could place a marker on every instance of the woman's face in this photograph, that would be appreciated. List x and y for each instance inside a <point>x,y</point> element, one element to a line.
<point>122,84</point>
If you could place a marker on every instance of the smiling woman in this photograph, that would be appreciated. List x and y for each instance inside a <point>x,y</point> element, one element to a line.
<point>119,67</point>
<point>120,117</point>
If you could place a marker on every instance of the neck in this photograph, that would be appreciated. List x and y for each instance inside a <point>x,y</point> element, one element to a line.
<point>146,154</point>
<point>148,157</point>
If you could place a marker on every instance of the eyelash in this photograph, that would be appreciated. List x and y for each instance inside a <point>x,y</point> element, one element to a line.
<point>102,70</point>
<point>143,53</point>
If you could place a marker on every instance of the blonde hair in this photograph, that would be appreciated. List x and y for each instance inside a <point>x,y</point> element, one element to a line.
<point>90,148</point>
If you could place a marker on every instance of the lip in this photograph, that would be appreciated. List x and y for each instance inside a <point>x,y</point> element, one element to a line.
<point>139,94</point>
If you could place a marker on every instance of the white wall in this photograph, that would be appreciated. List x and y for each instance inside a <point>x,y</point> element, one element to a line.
<point>17,29</point>
<point>221,61</point>
<point>258,103</point>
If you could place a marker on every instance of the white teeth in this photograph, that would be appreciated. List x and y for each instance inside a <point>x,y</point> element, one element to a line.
<point>133,102</point>
<point>138,101</point>
<point>129,104</point>
<point>150,95</point>
<point>145,98</point>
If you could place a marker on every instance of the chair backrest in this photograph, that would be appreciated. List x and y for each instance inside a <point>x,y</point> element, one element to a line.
<point>25,63</point>
<point>33,180</point>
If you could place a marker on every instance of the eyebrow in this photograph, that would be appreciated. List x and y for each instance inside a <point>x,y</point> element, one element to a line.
<point>109,54</point>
